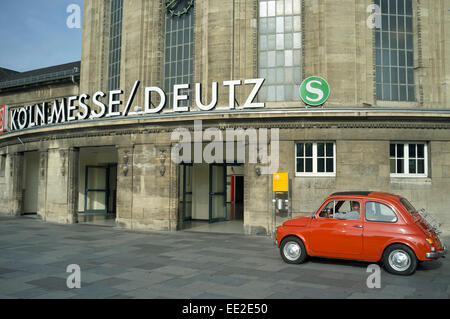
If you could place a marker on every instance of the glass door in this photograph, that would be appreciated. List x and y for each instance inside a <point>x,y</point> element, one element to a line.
<point>96,189</point>
<point>217,193</point>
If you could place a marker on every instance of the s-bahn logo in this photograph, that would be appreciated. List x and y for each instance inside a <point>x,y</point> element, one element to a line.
<point>2,118</point>
<point>314,91</point>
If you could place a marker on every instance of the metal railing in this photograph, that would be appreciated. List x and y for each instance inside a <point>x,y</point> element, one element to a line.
<point>433,223</point>
<point>40,78</point>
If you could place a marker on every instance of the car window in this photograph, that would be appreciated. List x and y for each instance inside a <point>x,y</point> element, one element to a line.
<point>328,210</point>
<point>341,209</point>
<point>409,207</point>
<point>379,212</point>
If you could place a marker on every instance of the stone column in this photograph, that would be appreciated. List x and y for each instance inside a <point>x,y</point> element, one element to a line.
<point>95,50</point>
<point>42,189</point>
<point>60,186</point>
<point>124,199</point>
<point>143,30</point>
<point>72,185</point>
<point>213,54</point>
<point>336,45</point>
<point>16,187</point>
<point>173,191</point>
<point>256,202</point>
<point>164,196</point>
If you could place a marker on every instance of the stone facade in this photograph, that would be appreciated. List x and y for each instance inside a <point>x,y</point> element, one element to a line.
<point>337,45</point>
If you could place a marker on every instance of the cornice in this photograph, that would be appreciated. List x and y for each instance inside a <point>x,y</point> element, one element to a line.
<point>125,128</point>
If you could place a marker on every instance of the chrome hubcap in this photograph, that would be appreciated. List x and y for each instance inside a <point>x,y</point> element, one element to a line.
<point>292,251</point>
<point>399,260</point>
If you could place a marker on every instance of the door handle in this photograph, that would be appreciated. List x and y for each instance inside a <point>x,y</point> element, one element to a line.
<point>357,226</point>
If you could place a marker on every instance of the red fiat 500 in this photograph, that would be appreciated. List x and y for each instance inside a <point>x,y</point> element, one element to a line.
<point>367,226</point>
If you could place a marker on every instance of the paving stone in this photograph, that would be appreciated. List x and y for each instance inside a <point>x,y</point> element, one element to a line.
<point>207,295</point>
<point>175,270</point>
<point>117,263</point>
<point>9,287</point>
<point>30,293</point>
<point>221,279</point>
<point>55,295</point>
<point>50,283</point>
<point>95,292</point>
<point>110,282</point>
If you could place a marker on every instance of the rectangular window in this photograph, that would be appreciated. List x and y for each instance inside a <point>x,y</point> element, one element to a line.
<point>280,49</point>
<point>179,55</point>
<point>394,51</point>
<point>115,45</point>
<point>315,159</point>
<point>408,159</point>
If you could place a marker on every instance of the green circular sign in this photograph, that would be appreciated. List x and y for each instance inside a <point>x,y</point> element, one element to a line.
<point>314,91</point>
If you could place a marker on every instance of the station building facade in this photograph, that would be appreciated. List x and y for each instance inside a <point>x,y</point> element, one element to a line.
<point>385,126</point>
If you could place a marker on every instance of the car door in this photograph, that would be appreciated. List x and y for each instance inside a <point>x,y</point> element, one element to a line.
<point>331,236</point>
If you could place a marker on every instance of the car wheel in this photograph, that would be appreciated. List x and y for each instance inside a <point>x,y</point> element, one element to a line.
<point>293,250</point>
<point>400,260</point>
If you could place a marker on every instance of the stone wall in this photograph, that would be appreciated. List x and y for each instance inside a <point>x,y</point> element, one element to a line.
<point>148,183</point>
<point>39,94</point>
<point>362,163</point>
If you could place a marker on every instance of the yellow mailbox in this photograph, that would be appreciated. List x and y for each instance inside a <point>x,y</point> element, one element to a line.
<point>280,182</point>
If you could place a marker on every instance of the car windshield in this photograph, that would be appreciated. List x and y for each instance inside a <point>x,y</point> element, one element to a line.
<point>408,206</point>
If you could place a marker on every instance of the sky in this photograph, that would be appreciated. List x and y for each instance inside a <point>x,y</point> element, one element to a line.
<point>34,34</point>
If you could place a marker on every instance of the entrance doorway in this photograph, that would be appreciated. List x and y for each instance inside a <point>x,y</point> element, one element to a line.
<point>30,183</point>
<point>237,197</point>
<point>211,198</point>
<point>98,185</point>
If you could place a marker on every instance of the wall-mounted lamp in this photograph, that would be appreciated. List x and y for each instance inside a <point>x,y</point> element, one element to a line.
<point>162,160</point>
<point>125,163</point>
<point>258,160</point>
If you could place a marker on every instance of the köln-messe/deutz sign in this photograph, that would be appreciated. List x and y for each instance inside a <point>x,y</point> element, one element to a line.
<point>314,91</point>
<point>66,110</point>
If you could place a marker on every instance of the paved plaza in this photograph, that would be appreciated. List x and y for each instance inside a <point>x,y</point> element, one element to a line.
<point>118,263</point>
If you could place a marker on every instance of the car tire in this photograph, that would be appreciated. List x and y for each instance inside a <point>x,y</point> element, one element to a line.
<point>399,259</point>
<point>293,250</point>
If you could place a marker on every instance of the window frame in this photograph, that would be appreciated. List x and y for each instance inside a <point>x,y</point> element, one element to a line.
<point>315,157</point>
<point>406,159</point>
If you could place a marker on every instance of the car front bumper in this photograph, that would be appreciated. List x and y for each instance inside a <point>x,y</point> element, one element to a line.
<point>437,254</point>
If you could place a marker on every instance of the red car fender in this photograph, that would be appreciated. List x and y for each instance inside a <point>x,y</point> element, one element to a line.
<point>300,232</point>
<point>414,243</point>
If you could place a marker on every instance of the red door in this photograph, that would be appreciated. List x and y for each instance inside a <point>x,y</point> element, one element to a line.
<point>331,237</point>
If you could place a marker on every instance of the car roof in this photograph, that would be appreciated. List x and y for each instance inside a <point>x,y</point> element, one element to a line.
<point>370,194</point>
